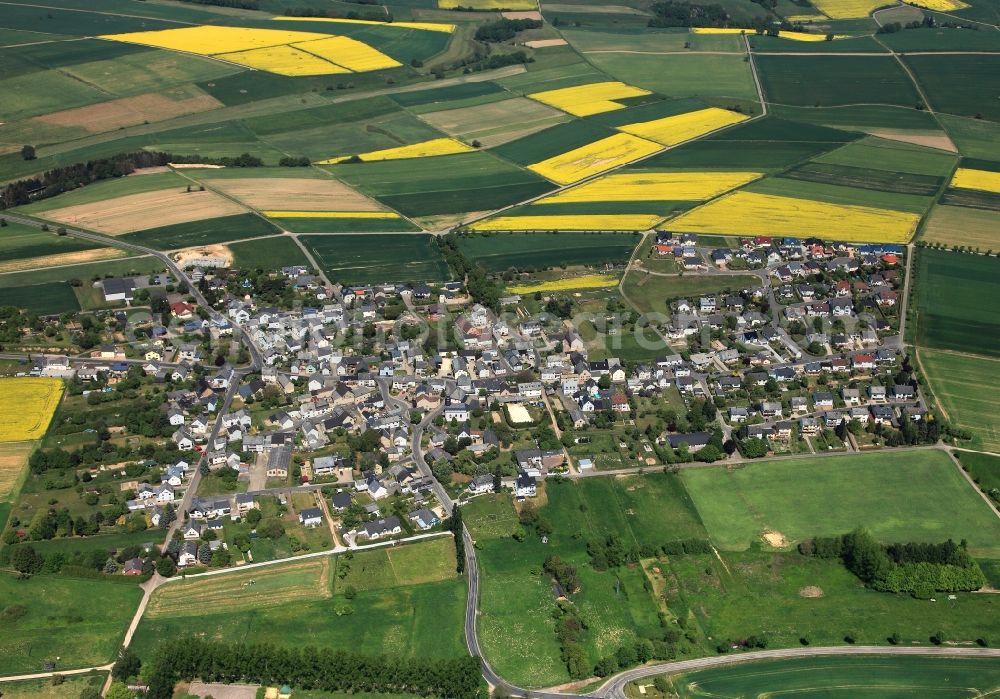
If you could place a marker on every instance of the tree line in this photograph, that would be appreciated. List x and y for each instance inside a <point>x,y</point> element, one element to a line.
<point>919,569</point>
<point>505,29</point>
<point>310,668</point>
<point>481,288</point>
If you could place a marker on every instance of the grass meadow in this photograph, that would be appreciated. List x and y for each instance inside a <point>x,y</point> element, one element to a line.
<point>964,386</point>
<point>858,677</point>
<point>80,621</point>
<point>205,232</point>
<point>898,496</point>
<point>408,602</point>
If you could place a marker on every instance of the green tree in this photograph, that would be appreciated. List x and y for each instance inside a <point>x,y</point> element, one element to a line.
<point>127,665</point>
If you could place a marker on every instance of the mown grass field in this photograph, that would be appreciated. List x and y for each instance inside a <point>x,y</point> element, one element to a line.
<point>964,386</point>
<point>860,677</point>
<point>409,602</point>
<point>899,496</point>
<point>80,621</point>
<point>949,294</point>
<point>357,259</point>
<point>503,251</point>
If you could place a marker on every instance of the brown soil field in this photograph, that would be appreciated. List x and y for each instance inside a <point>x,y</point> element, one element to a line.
<point>931,140</point>
<point>542,43</point>
<point>129,111</point>
<point>294,194</point>
<point>13,459</point>
<point>66,258</point>
<point>496,122</point>
<point>136,212</point>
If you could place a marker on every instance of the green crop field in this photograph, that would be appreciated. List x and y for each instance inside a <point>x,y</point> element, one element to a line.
<point>915,496</point>
<point>962,85</point>
<point>950,289</point>
<point>857,677</point>
<point>834,191</point>
<point>345,225</point>
<point>959,225</point>
<point>963,385</point>
<point>108,189</point>
<point>696,75</point>
<point>48,616</point>
<point>205,232</point>
<point>360,259</point>
<point>892,156</point>
<point>46,299</point>
<point>444,184</point>
<point>901,119</point>
<point>975,138</point>
<point>267,253</point>
<point>822,81</point>
<point>412,605</point>
<point>866,178</point>
<point>19,242</point>
<point>500,252</point>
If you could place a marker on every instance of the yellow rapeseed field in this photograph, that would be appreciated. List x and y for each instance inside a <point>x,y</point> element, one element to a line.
<point>749,213</point>
<point>794,36</point>
<point>425,26</point>
<point>983,180</point>
<point>939,5</point>
<point>654,186</point>
<point>27,407</point>
<point>280,51</point>
<point>283,60</point>
<point>588,281</point>
<point>424,149</point>
<point>580,222</point>
<point>350,53</point>
<point>209,41</point>
<point>848,9</point>
<point>584,100</point>
<point>330,214</point>
<point>594,158</point>
<point>676,129</point>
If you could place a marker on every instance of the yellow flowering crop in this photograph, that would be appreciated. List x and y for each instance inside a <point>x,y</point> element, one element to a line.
<point>594,158</point>
<point>562,222</point>
<point>654,186</point>
<point>27,407</point>
<point>424,149</point>
<point>584,100</point>
<point>283,60</point>
<point>794,36</point>
<point>350,53</point>
<point>209,41</point>
<point>939,5</point>
<point>425,26</point>
<point>749,213</point>
<point>676,129</point>
<point>983,180</point>
<point>275,50</point>
<point>588,281</point>
<point>330,214</point>
<point>847,9</point>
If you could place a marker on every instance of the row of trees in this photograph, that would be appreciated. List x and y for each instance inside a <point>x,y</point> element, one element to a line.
<point>480,286</point>
<point>917,569</point>
<point>310,668</point>
<point>505,29</point>
<point>614,551</point>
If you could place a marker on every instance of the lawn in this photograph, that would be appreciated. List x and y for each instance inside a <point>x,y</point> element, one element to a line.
<point>899,496</point>
<point>949,293</point>
<point>858,677</point>
<point>963,386</point>
<point>503,251</point>
<point>649,293</point>
<point>360,259</point>
<point>80,621</point>
<point>409,604</point>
